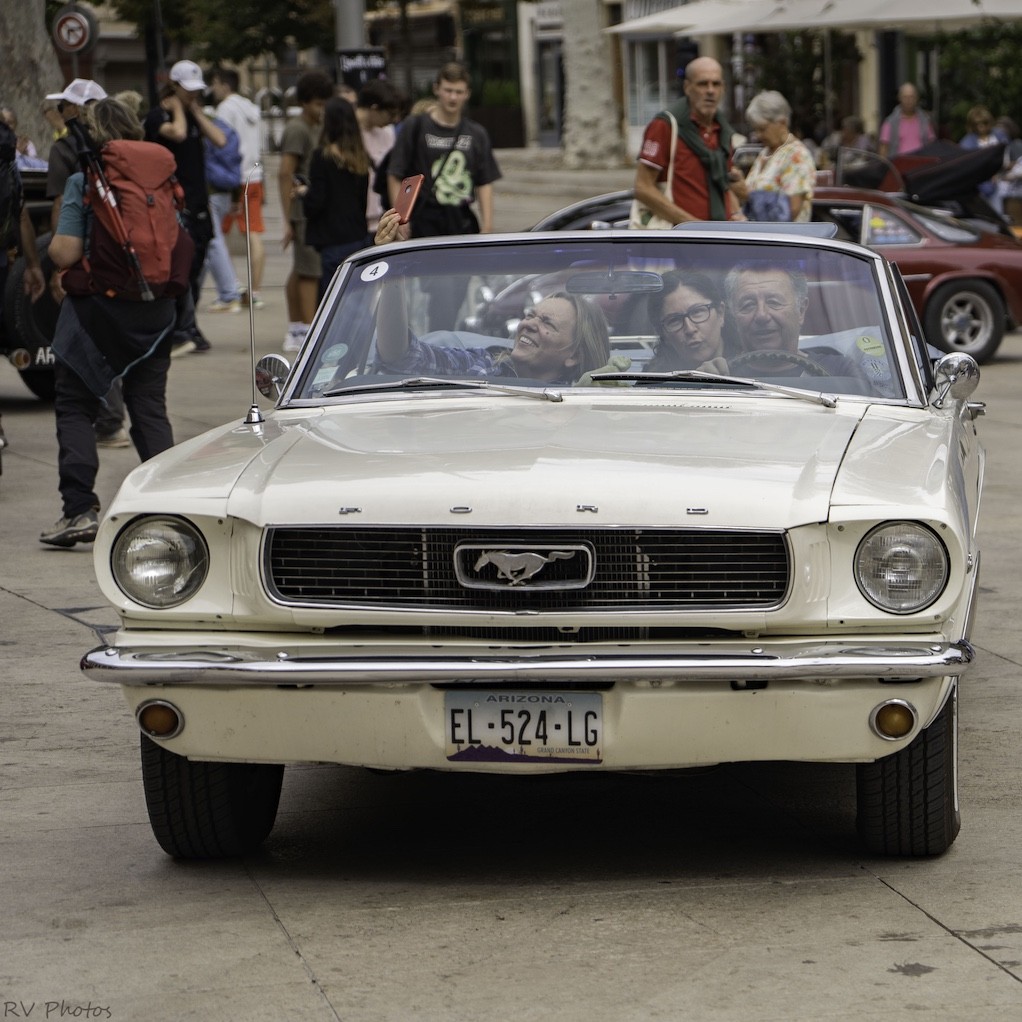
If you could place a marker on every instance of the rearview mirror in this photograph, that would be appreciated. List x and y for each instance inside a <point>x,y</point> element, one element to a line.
<point>614,282</point>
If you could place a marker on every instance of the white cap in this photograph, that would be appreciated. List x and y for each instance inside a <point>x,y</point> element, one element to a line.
<point>188,75</point>
<point>80,92</point>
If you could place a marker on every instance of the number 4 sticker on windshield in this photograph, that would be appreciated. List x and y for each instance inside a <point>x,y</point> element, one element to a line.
<point>376,271</point>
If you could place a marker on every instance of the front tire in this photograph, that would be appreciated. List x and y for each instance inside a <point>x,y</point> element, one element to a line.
<point>966,316</point>
<point>908,802</point>
<point>201,810</point>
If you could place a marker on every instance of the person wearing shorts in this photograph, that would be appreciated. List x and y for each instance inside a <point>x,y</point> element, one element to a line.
<point>244,117</point>
<point>301,137</point>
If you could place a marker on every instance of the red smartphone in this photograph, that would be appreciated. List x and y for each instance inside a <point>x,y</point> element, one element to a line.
<point>407,193</point>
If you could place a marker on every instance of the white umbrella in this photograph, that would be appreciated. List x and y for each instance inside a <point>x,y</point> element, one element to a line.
<point>783,16</point>
<point>919,16</point>
<point>694,14</point>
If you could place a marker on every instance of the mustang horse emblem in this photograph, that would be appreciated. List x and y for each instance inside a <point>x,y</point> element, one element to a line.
<point>516,568</point>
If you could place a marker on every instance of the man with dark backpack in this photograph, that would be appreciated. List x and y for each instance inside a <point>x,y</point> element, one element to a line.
<point>179,123</point>
<point>125,262</point>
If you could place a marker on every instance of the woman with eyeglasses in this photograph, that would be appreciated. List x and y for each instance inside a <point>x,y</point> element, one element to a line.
<point>688,316</point>
<point>982,133</point>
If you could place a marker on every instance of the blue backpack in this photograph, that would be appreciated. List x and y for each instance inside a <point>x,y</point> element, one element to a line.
<point>223,165</point>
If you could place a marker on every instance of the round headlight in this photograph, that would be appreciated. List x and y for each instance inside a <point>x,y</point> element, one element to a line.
<point>159,562</point>
<point>901,567</point>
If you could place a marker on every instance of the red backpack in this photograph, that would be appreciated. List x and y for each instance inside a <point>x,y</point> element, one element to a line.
<point>148,198</point>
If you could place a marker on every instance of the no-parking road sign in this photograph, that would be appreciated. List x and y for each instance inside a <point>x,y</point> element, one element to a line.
<point>74,29</point>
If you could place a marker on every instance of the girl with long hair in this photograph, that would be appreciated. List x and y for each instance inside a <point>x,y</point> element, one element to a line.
<point>335,202</point>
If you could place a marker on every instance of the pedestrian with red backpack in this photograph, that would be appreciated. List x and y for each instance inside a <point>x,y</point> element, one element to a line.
<point>125,261</point>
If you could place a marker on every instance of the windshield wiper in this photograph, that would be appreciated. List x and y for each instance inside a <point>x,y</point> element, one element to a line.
<point>429,382</point>
<point>697,376</point>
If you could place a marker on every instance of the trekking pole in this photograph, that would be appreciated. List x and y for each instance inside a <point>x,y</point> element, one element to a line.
<point>90,161</point>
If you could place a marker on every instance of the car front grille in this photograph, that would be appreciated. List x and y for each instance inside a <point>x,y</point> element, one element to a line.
<point>415,568</point>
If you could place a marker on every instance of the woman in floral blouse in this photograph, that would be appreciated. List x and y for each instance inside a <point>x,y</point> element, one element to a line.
<point>779,185</point>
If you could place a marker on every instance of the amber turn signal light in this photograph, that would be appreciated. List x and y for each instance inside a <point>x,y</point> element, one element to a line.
<point>893,719</point>
<point>160,719</point>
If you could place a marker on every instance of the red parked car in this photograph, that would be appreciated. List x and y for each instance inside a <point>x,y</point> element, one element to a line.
<point>965,281</point>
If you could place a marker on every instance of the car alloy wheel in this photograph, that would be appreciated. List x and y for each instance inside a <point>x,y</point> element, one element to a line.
<point>966,316</point>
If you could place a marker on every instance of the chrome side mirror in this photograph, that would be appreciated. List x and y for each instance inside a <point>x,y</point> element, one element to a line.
<point>955,376</point>
<point>270,373</point>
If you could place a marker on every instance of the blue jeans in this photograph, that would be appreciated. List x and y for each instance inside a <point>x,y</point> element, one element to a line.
<point>218,259</point>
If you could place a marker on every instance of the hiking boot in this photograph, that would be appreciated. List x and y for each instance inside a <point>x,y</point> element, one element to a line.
<point>68,531</point>
<point>234,305</point>
<point>118,438</point>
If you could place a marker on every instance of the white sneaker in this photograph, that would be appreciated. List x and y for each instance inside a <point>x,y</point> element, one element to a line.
<point>218,306</point>
<point>295,339</point>
<point>183,347</point>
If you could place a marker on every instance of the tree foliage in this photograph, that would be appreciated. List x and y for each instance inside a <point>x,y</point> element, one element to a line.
<point>236,30</point>
<point>792,63</point>
<point>980,66</point>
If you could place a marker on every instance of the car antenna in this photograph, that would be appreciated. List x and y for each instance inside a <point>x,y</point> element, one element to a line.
<point>255,416</point>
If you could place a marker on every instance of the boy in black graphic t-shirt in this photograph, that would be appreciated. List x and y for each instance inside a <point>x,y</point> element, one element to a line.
<point>454,155</point>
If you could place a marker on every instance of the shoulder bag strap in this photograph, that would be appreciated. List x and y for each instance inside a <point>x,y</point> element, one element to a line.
<point>674,147</point>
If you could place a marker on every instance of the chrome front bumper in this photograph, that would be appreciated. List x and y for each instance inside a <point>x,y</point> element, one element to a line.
<point>763,662</point>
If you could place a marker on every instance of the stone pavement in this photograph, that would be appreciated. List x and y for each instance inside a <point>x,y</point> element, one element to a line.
<point>535,183</point>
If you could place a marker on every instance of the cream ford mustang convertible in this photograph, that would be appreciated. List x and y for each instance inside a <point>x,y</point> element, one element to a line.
<point>697,497</point>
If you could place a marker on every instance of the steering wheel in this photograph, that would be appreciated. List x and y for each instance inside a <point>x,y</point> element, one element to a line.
<point>771,357</point>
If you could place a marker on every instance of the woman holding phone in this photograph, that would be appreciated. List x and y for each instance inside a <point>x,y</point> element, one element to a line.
<point>335,201</point>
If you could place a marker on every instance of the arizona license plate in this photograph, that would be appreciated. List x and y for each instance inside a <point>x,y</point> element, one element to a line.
<point>499,726</point>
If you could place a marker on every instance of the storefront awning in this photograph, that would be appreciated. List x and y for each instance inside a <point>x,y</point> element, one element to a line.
<point>678,19</point>
<point>723,17</point>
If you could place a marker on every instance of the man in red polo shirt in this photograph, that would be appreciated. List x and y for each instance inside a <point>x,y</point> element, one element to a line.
<point>700,183</point>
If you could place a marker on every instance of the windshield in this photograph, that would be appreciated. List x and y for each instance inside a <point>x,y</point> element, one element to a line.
<point>622,310</point>
<point>946,227</point>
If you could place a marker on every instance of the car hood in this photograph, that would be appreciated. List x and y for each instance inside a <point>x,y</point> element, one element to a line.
<point>728,462</point>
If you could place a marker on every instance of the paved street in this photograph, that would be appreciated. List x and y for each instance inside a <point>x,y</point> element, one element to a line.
<point>730,895</point>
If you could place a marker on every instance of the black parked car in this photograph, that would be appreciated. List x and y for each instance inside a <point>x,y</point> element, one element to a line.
<point>26,327</point>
